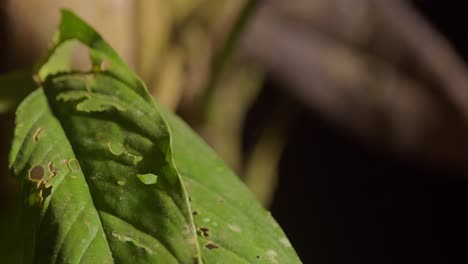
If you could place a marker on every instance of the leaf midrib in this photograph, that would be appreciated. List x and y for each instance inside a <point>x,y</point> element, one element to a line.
<point>191,221</point>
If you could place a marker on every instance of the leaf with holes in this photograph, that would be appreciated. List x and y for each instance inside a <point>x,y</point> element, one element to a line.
<point>104,180</point>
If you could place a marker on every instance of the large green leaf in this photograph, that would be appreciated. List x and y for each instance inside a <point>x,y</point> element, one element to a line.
<point>109,177</point>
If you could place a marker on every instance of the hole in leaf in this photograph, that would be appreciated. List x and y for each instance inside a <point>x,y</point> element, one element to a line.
<point>203,231</point>
<point>211,245</point>
<point>121,183</point>
<point>105,65</point>
<point>148,178</point>
<point>80,60</point>
<point>44,193</point>
<point>116,148</point>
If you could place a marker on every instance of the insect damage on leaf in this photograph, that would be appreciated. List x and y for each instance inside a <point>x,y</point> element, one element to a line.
<point>285,242</point>
<point>203,231</point>
<point>211,246</point>
<point>148,178</point>
<point>121,183</point>
<point>104,129</point>
<point>272,255</point>
<point>37,134</point>
<point>98,103</point>
<point>136,243</point>
<point>234,228</point>
<point>36,173</point>
<point>52,170</point>
<point>73,165</point>
<point>43,187</point>
<point>91,102</point>
<point>118,149</point>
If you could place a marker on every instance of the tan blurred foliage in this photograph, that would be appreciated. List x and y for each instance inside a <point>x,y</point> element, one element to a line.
<point>374,67</point>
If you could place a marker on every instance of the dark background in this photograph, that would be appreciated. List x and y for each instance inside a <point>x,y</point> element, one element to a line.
<point>342,202</point>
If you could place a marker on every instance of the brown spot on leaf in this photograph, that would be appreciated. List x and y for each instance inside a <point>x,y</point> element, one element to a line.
<point>36,173</point>
<point>194,213</point>
<point>203,231</point>
<point>211,245</point>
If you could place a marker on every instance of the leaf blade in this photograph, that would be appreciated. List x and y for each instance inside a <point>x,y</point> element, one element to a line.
<point>237,222</point>
<point>170,212</point>
<point>32,153</point>
<point>94,137</point>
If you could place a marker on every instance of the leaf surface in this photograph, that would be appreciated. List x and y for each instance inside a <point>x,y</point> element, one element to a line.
<point>109,177</point>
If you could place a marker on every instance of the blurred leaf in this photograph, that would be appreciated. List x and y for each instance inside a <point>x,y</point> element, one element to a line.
<point>103,179</point>
<point>224,126</point>
<point>168,88</point>
<point>261,170</point>
<point>155,22</point>
<point>14,87</point>
<point>225,54</point>
<point>10,243</point>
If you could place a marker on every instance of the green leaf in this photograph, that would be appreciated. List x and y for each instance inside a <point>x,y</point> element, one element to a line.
<point>105,179</point>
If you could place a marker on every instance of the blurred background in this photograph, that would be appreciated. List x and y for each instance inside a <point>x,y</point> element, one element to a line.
<point>347,118</point>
